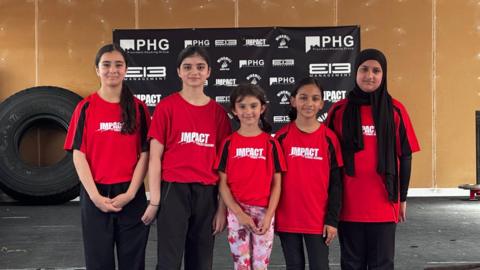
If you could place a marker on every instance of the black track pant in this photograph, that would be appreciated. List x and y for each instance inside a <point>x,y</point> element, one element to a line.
<point>367,245</point>
<point>123,230</point>
<point>184,226</point>
<point>292,246</point>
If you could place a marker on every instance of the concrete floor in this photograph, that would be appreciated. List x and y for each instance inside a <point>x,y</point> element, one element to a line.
<point>439,232</point>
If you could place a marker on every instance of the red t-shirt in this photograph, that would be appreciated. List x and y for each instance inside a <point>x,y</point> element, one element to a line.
<point>249,163</point>
<point>95,130</point>
<point>191,135</point>
<point>365,198</point>
<point>310,157</point>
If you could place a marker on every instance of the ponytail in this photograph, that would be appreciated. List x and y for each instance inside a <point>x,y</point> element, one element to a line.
<point>127,104</point>
<point>264,124</point>
<point>292,113</point>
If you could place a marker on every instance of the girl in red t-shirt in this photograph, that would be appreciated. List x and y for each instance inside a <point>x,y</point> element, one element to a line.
<point>250,163</point>
<point>377,140</point>
<point>107,135</point>
<point>187,129</point>
<point>312,187</point>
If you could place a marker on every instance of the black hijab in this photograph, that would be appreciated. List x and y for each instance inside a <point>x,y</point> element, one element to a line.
<point>382,110</point>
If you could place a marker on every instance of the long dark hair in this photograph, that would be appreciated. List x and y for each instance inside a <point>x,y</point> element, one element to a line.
<point>193,50</point>
<point>251,90</point>
<point>126,96</point>
<point>292,112</point>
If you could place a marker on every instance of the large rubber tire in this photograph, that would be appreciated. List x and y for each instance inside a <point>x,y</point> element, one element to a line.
<point>56,183</point>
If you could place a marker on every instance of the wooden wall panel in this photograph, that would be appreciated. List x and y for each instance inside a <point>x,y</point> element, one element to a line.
<point>17,46</point>
<point>458,90</point>
<point>186,14</point>
<point>70,33</point>
<point>255,13</point>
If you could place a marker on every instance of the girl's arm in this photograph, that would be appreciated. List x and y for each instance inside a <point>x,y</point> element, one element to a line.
<point>154,179</point>
<point>405,171</point>
<point>86,178</point>
<point>230,202</point>
<point>220,218</point>
<point>276,189</point>
<point>137,180</point>
<point>335,192</point>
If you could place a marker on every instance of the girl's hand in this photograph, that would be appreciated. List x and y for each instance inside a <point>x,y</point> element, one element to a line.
<point>403,211</point>
<point>329,233</point>
<point>150,214</point>
<point>104,204</point>
<point>246,221</point>
<point>121,200</point>
<point>264,225</point>
<point>219,221</point>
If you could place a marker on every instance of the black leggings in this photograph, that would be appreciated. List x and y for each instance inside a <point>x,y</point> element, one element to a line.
<point>366,245</point>
<point>317,250</point>
<point>184,226</point>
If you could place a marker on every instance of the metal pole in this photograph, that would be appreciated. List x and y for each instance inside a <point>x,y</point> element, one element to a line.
<point>477,142</point>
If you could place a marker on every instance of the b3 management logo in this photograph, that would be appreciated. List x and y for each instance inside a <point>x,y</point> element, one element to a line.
<point>330,69</point>
<point>151,73</point>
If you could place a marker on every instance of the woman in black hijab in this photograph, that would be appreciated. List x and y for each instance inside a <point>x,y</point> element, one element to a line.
<point>377,144</point>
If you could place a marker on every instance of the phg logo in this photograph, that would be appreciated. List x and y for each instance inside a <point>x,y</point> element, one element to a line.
<point>197,42</point>
<point>251,63</point>
<point>145,45</point>
<point>321,43</point>
<point>282,80</point>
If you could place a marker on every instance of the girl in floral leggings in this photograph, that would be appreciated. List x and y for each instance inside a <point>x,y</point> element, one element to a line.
<point>250,163</point>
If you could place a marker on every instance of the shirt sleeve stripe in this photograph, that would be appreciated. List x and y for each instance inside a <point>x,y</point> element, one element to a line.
<point>223,159</point>
<point>143,129</point>
<point>77,141</point>
<point>276,161</point>
<point>281,138</point>
<point>333,154</point>
<point>404,143</point>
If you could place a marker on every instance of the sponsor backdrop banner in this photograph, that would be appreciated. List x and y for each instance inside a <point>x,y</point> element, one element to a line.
<point>274,58</point>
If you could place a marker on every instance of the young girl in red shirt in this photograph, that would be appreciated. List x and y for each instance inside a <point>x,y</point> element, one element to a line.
<point>377,140</point>
<point>250,163</point>
<point>108,138</point>
<point>312,187</point>
<point>187,129</point>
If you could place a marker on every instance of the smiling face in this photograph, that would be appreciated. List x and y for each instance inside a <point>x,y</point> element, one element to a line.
<point>194,71</point>
<point>308,101</point>
<point>369,76</point>
<point>248,110</point>
<point>111,69</point>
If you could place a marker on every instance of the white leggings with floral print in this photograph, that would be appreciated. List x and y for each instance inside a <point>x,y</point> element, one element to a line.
<point>249,249</point>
